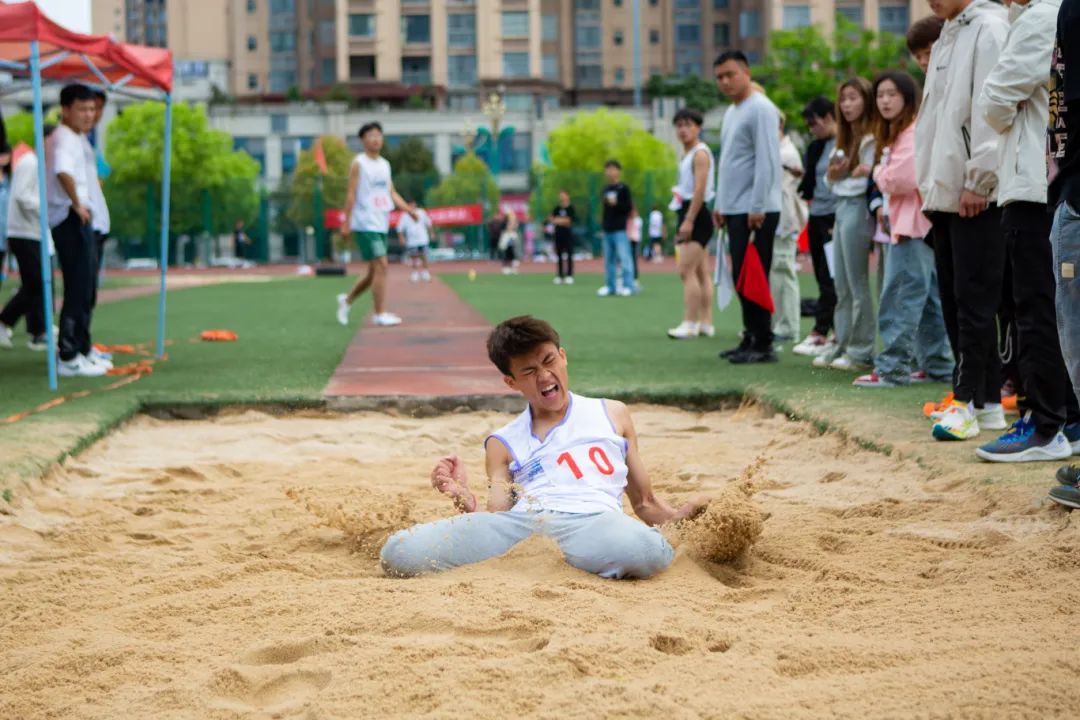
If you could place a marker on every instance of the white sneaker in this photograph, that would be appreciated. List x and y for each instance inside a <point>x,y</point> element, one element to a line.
<point>603,292</point>
<point>506,271</point>
<point>958,422</point>
<point>625,292</point>
<point>5,337</point>
<point>414,277</point>
<point>37,344</point>
<point>425,276</point>
<point>98,358</point>
<point>684,331</point>
<point>386,319</point>
<point>706,330</point>
<point>79,366</point>
<point>991,417</point>
<point>843,362</point>
<point>343,309</point>
<point>814,345</point>
<point>568,280</point>
<point>558,280</point>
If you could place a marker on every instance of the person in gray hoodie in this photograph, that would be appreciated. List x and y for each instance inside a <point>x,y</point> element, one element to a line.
<point>956,163</point>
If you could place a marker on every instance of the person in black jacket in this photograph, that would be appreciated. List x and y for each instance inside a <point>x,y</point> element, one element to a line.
<point>819,117</point>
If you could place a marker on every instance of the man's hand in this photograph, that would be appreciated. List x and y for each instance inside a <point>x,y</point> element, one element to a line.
<point>718,219</point>
<point>971,204</point>
<point>755,220</point>
<point>449,478</point>
<point>837,168</point>
<point>685,229</point>
<point>692,508</point>
<point>82,212</point>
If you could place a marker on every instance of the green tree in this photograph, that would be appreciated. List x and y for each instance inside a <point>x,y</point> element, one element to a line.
<point>298,193</point>
<point>698,92</point>
<point>213,186</point>
<point>414,168</point>
<point>20,126</point>
<point>471,182</point>
<point>804,63</point>
<point>581,145</point>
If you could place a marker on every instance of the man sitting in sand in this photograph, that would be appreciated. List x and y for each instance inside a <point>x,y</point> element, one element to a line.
<point>558,469</point>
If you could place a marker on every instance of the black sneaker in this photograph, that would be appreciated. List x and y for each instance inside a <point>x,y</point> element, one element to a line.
<point>1067,495</point>
<point>1068,475</point>
<point>743,346</point>
<point>750,355</point>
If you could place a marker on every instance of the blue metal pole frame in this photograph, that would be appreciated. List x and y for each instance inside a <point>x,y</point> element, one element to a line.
<point>636,11</point>
<point>43,214</point>
<point>166,177</point>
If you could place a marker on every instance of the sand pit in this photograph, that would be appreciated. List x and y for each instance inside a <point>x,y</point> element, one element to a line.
<point>165,573</point>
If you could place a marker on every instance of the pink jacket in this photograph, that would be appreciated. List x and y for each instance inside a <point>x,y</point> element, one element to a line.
<point>895,176</point>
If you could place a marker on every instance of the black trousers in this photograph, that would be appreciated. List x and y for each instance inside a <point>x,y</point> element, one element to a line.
<point>635,250</point>
<point>77,252</point>
<point>819,231</point>
<point>757,321</point>
<point>99,248</point>
<point>1044,383</point>
<point>564,249</point>
<point>970,258</point>
<point>29,300</point>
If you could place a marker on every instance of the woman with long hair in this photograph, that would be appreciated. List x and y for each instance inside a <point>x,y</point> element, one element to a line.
<point>910,321</point>
<point>848,177</point>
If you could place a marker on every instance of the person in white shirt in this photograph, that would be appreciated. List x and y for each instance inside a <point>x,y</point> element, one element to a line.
<point>99,211</point>
<point>70,216</point>
<point>368,201</point>
<point>783,275</point>
<point>24,238</point>
<point>655,249</point>
<point>559,469</point>
<point>417,236</point>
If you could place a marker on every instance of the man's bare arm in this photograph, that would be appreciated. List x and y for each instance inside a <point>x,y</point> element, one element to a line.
<point>497,462</point>
<point>68,184</point>
<point>350,192</point>
<point>400,204</point>
<point>652,509</point>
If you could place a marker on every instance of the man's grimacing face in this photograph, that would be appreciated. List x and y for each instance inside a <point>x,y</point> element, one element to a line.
<point>541,376</point>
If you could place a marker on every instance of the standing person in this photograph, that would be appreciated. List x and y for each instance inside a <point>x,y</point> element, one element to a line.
<point>617,206</point>
<point>508,244</point>
<point>5,188</point>
<point>562,218</point>
<point>912,330</point>
<point>368,201</point>
<point>848,178</point>
<point>920,39</point>
<point>1015,103</point>
<point>696,189</point>
<point>783,276</point>
<point>417,236</point>
<point>24,238</point>
<point>633,234</point>
<point>956,159</point>
<point>495,226</point>
<point>656,236</point>
<point>821,120</point>
<point>1064,197</point>
<point>69,215</point>
<point>100,221</point>
<point>748,191</point>
<point>241,241</point>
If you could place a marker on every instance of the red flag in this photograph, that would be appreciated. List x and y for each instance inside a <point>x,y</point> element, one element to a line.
<point>319,155</point>
<point>803,240</point>
<point>753,282</point>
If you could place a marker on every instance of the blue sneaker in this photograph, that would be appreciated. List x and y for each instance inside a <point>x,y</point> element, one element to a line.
<point>1072,434</point>
<point>1023,444</point>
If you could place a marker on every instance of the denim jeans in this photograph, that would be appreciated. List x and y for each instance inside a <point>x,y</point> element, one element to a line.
<point>1065,238</point>
<point>609,544</point>
<point>909,319</point>
<point>854,316</point>
<point>617,248</point>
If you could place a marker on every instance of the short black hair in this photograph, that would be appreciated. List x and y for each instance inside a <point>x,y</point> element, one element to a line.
<point>736,55</point>
<point>368,127</point>
<point>100,95</point>
<point>47,129</point>
<point>73,93</point>
<point>819,107</point>
<point>613,163</point>
<point>516,337</point>
<point>692,114</point>
<point>924,33</point>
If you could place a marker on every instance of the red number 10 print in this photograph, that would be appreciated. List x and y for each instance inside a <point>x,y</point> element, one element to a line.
<point>598,457</point>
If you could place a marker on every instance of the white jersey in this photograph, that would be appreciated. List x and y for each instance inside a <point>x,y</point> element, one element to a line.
<point>656,224</point>
<point>372,204</point>
<point>415,232</point>
<point>580,467</point>
<point>685,188</point>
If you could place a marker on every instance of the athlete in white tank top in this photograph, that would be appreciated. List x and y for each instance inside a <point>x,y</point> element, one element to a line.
<point>372,202</point>
<point>685,188</point>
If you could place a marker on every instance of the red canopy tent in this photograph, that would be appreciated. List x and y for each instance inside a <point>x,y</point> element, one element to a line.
<point>34,47</point>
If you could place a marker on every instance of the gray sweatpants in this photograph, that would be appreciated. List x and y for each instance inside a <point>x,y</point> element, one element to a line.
<point>608,544</point>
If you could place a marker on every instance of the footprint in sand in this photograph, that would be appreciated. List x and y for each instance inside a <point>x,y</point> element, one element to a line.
<point>263,681</point>
<point>280,653</point>
<point>671,644</point>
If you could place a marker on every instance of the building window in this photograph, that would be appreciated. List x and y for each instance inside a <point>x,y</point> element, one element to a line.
<point>253,81</point>
<point>688,34</point>
<point>617,37</point>
<point>282,42</point>
<point>550,66</point>
<point>796,16</point>
<point>549,28</point>
<point>620,76</point>
<point>894,19</point>
<point>515,151</point>
<point>618,3</point>
<point>721,35</point>
<point>749,24</point>
<point>654,37</point>
<point>753,56</point>
<point>689,4</point>
<point>282,80</point>
<point>587,37</point>
<point>282,6</point>
<point>654,3</point>
<point>720,4</point>
<point>328,33</point>
<point>416,29</point>
<point>519,102</point>
<point>461,102</point>
<point>461,71</point>
<point>328,71</point>
<point>586,4</point>
<point>515,24</point>
<point>360,26</point>
<point>461,30</point>
<point>515,65</point>
<point>252,44</point>
<point>362,67</point>
<point>251,7</point>
<point>854,13</point>
<point>416,70</point>
<point>590,75</point>
<point>279,123</point>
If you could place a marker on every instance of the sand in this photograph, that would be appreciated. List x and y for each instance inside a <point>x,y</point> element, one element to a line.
<point>166,573</point>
